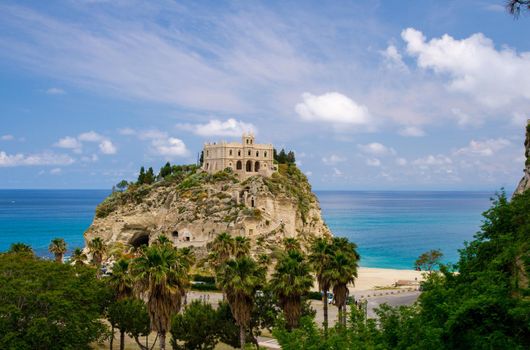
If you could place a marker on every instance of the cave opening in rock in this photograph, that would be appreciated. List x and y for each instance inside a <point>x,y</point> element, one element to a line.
<point>139,239</point>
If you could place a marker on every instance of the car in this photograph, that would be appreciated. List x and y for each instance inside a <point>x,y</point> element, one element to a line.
<point>330,298</point>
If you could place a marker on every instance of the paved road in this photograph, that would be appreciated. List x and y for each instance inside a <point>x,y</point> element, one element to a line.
<point>393,300</point>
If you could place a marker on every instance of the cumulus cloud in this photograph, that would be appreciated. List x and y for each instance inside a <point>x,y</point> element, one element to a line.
<point>484,148</point>
<point>493,77</point>
<point>55,91</point>
<point>69,142</point>
<point>127,131</point>
<point>76,143</point>
<point>20,159</point>
<point>170,147</point>
<point>393,58</point>
<point>401,161</point>
<point>107,147</point>
<point>7,137</point>
<point>215,127</point>
<point>411,131</point>
<point>429,160</point>
<point>55,171</point>
<point>376,148</point>
<point>333,159</point>
<point>334,108</point>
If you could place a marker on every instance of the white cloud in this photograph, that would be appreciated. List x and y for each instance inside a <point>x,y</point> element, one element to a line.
<point>90,136</point>
<point>170,147</point>
<point>55,171</point>
<point>493,77</point>
<point>484,148</point>
<point>464,118</point>
<point>393,58</point>
<point>215,127</point>
<point>376,148</point>
<point>20,159</point>
<point>107,147</point>
<point>308,173</point>
<point>334,108</point>
<point>373,162</point>
<point>333,159</point>
<point>429,160</point>
<point>7,137</point>
<point>55,91</point>
<point>127,131</point>
<point>411,131</point>
<point>69,142</point>
<point>93,158</point>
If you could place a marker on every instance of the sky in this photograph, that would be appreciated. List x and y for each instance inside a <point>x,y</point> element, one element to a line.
<point>371,95</point>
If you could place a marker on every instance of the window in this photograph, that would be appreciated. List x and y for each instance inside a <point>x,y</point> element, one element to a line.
<point>207,153</point>
<point>230,152</point>
<point>257,153</point>
<point>239,165</point>
<point>265,155</point>
<point>239,153</point>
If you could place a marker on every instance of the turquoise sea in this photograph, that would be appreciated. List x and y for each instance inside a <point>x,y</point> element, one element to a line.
<point>390,228</point>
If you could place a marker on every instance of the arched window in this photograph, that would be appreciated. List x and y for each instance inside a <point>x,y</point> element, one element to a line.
<point>265,155</point>
<point>239,165</point>
<point>249,166</point>
<point>239,153</point>
<point>257,153</point>
<point>256,166</point>
<point>252,203</point>
<point>230,152</point>
<point>249,152</point>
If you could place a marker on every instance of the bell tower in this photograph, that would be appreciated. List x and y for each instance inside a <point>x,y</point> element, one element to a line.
<point>248,140</point>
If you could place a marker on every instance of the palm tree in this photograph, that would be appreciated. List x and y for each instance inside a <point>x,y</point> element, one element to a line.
<point>161,276</point>
<point>121,280</point>
<point>58,248</point>
<point>290,281</point>
<point>97,248</point>
<point>241,246</point>
<point>343,271</point>
<point>78,257</point>
<point>291,243</point>
<point>239,279</point>
<point>19,247</point>
<point>320,257</point>
<point>162,239</point>
<point>221,248</point>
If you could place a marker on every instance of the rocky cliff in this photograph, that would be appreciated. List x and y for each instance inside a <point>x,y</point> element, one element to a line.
<point>191,207</point>
<point>524,184</point>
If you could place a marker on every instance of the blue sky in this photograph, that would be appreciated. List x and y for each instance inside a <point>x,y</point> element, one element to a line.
<point>370,94</point>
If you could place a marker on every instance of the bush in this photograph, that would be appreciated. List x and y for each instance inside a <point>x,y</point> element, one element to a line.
<point>45,305</point>
<point>195,328</point>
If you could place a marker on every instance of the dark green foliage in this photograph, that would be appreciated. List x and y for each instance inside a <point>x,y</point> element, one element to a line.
<point>207,286</point>
<point>313,295</point>
<point>45,305</point>
<point>429,260</point>
<point>195,328</point>
<point>20,248</point>
<point>203,278</point>
<point>227,328</point>
<point>165,171</point>
<point>141,176</point>
<point>130,317</point>
<point>283,157</point>
<point>122,185</point>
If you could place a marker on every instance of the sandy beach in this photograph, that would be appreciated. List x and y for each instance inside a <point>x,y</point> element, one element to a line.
<point>371,278</point>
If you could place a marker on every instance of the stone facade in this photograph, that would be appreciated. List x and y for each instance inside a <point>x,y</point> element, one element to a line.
<point>245,159</point>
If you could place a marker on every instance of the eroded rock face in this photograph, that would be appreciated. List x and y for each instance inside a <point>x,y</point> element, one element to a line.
<point>524,184</point>
<point>193,210</point>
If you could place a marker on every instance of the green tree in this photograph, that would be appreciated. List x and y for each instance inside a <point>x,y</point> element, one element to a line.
<point>428,260</point>
<point>290,281</point>
<point>130,316</point>
<point>239,279</point>
<point>141,176</point>
<point>241,246</point>
<point>196,327</point>
<point>149,176</point>
<point>122,185</point>
<point>121,280</point>
<point>221,248</point>
<point>291,243</point>
<point>97,248</point>
<point>78,257</point>
<point>162,277</point>
<point>45,305</point>
<point>19,247</point>
<point>321,257</point>
<point>343,271</point>
<point>58,248</point>
<point>165,171</point>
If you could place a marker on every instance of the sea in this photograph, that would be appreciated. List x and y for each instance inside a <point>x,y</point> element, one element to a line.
<point>390,228</point>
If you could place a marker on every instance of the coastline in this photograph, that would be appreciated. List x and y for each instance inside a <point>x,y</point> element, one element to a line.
<point>373,277</point>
